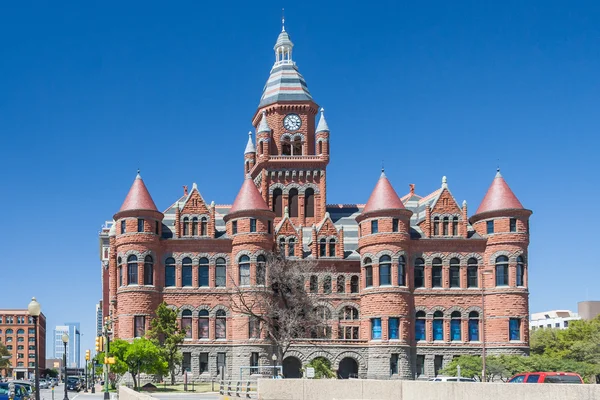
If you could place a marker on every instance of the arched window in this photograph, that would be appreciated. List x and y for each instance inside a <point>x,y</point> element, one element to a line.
<point>322,248</point>
<point>368,272</point>
<point>472,273</point>
<point>502,271</point>
<point>309,203</point>
<point>203,226</point>
<point>244,265</point>
<point>286,147</point>
<point>341,284</point>
<point>203,269</point>
<point>278,202</point>
<point>292,247</point>
<point>445,226</point>
<point>401,271</point>
<point>324,330</point>
<point>9,331</point>
<point>436,226</point>
<point>170,272</point>
<point>455,226</point>
<point>385,270</point>
<point>354,284</point>
<point>221,324</point>
<point>293,202</point>
<point>331,247</point>
<point>186,226</point>
<point>282,246</point>
<point>120,271</point>
<point>186,323</point>
<point>203,329</point>
<point>419,273</point>
<point>473,326</point>
<point>436,273</point>
<point>420,333</point>
<point>455,331</point>
<point>261,269</point>
<point>186,272</point>
<point>20,332</point>
<point>220,272</point>
<point>348,313</point>
<point>297,147</point>
<point>194,226</point>
<point>261,147</point>
<point>132,270</point>
<point>314,284</point>
<point>438,325</point>
<point>520,271</point>
<point>327,285</point>
<point>148,271</point>
<point>455,273</point>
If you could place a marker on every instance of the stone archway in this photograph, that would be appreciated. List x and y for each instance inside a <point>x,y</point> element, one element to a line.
<point>348,368</point>
<point>292,367</point>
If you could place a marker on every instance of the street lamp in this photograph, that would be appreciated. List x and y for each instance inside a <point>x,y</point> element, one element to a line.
<point>274,358</point>
<point>35,309</point>
<point>65,339</point>
<point>483,367</point>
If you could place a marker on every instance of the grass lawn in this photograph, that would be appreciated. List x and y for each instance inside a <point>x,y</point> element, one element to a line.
<point>198,387</point>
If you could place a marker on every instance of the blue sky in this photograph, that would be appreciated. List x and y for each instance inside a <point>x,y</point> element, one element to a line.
<point>91,91</point>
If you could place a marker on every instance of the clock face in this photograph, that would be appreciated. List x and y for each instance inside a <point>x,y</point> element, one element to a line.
<point>292,122</point>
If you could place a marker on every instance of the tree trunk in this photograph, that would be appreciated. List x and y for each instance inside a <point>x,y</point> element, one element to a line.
<point>172,375</point>
<point>134,381</point>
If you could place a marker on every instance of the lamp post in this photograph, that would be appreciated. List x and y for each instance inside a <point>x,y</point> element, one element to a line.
<point>274,358</point>
<point>65,339</point>
<point>35,309</point>
<point>483,367</point>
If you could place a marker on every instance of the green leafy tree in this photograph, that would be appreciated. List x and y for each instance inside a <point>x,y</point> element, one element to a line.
<point>50,372</point>
<point>166,334</point>
<point>322,368</point>
<point>140,356</point>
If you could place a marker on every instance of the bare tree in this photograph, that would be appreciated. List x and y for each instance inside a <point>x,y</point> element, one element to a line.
<point>282,310</point>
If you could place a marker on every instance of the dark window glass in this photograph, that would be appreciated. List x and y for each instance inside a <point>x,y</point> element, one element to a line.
<point>120,276</point>
<point>455,226</point>
<point>186,323</point>
<point>454,273</point>
<point>354,284</point>
<point>374,226</point>
<point>186,362</point>
<point>244,266</point>
<point>420,365</point>
<point>327,285</point>
<point>252,224</point>
<point>253,328</point>
<point>393,328</point>
<point>385,267</point>
<point>436,226</point>
<point>472,273</point>
<point>309,203</point>
<point>254,360</point>
<point>331,248</point>
<point>394,364</point>
<point>445,226</point>
<point>514,327</point>
<point>194,226</point>
<point>203,329</point>
<point>368,272</point>
<point>156,226</point>
<point>314,284</point>
<point>221,325</point>
<point>282,246</point>
<point>140,225</point>
<point>395,225</point>
<point>291,247</point>
<point>277,202</point>
<point>375,328</point>
<point>139,328</point>
<point>520,271</point>
<point>123,226</point>
<point>322,248</point>
<point>533,378</point>
<point>473,326</point>
<point>513,224</point>
<point>420,326</point>
<point>261,266</point>
<point>148,271</point>
<point>220,272</point>
<point>490,227</point>
<point>419,273</point>
<point>186,272</point>
<point>502,271</point>
<point>401,271</point>
<point>438,326</point>
<point>203,227</point>
<point>186,226</point>
<point>341,284</point>
<point>203,272</point>
<point>455,330</point>
<point>438,361</point>
<point>203,362</point>
<point>132,270</point>
<point>436,273</point>
<point>269,227</point>
<point>293,202</point>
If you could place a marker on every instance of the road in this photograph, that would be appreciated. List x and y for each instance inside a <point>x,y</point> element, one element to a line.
<point>59,394</point>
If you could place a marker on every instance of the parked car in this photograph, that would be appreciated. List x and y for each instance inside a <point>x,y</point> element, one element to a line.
<point>44,384</point>
<point>73,384</point>
<point>20,391</point>
<point>451,379</point>
<point>27,385</point>
<point>546,377</point>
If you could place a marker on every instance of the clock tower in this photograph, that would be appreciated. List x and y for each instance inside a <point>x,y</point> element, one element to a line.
<point>292,153</point>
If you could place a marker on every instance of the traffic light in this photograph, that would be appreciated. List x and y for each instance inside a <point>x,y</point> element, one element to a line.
<point>99,344</point>
<point>87,355</point>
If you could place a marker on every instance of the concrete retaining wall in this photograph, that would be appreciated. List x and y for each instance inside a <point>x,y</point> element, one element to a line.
<point>356,389</point>
<point>128,394</point>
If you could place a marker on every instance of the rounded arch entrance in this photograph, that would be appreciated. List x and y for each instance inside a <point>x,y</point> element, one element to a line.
<point>348,368</point>
<point>292,367</point>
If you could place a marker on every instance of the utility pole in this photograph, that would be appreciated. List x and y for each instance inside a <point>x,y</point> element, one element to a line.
<point>107,322</point>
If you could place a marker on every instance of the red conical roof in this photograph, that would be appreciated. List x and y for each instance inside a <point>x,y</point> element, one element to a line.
<point>499,197</point>
<point>248,198</point>
<point>138,197</point>
<point>383,197</point>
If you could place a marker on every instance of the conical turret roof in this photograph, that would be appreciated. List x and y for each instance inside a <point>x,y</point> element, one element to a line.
<point>250,145</point>
<point>248,198</point>
<point>138,197</point>
<point>322,125</point>
<point>499,197</point>
<point>383,197</point>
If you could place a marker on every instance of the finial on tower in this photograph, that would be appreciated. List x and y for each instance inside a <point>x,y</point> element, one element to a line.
<point>138,176</point>
<point>283,20</point>
<point>444,182</point>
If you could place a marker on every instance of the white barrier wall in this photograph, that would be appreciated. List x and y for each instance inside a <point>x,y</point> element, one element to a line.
<point>357,389</point>
<point>128,394</point>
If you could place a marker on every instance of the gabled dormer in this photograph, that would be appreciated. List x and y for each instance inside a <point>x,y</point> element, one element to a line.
<point>194,218</point>
<point>446,217</point>
<point>329,241</point>
<point>288,238</point>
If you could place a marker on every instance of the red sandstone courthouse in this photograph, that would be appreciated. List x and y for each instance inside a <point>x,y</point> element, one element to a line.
<point>405,294</point>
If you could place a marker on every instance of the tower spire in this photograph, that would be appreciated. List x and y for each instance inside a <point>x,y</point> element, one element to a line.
<point>283,20</point>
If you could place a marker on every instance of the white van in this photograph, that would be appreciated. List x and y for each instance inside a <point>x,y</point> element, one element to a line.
<point>451,379</point>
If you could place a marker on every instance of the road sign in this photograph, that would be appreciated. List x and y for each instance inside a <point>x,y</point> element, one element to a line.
<point>310,372</point>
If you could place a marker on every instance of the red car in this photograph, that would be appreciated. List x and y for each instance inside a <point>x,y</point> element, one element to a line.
<point>546,377</point>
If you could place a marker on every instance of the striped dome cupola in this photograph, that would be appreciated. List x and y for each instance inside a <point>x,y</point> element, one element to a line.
<point>285,83</point>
